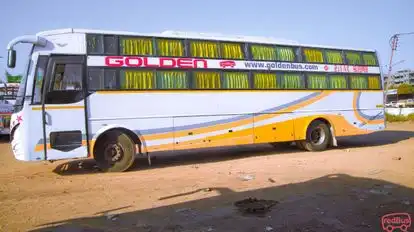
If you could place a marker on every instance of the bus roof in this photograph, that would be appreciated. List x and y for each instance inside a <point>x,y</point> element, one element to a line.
<point>196,35</point>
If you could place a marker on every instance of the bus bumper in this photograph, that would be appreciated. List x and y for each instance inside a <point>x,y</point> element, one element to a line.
<point>17,144</point>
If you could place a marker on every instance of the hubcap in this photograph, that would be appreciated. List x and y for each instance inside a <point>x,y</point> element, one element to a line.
<point>114,152</point>
<point>317,136</point>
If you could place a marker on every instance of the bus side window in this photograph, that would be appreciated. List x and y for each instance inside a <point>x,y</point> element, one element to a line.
<point>66,86</point>
<point>67,77</point>
<point>38,80</point>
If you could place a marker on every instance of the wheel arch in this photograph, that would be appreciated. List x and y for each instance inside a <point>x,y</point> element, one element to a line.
<point>332,139</point>
<point>303,132</point>
<point>135,137</point>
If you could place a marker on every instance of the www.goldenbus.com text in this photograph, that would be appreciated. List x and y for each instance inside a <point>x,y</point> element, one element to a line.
<point>280,65</point>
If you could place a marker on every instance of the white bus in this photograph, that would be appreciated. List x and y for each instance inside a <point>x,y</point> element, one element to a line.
<point>111,95</point>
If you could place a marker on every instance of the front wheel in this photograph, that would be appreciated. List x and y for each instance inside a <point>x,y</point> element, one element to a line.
<point>318,136</point>
<point>115,152</point>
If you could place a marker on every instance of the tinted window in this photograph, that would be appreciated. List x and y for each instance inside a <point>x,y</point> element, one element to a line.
<point>38,80</point>
<point>67,77</point>
<point>100,79</point>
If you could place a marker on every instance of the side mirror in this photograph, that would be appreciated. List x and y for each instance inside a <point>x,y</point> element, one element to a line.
<point>11,58</point>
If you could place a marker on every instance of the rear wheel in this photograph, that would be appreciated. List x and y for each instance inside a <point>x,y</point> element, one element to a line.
<point>318,136</point>
<point>115,152</point>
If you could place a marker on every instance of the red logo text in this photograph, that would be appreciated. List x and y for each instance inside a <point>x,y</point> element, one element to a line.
<point>401,221</point>
<point>153,62</point>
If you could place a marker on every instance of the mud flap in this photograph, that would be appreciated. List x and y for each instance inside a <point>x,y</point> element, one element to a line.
<point>334,142</point>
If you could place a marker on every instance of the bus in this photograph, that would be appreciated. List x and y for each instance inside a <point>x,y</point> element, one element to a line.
<point>113,95</point>
<point>7,97</point>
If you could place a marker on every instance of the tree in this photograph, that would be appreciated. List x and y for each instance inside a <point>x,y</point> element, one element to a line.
<point>405,89</point>
<point>13,78</point>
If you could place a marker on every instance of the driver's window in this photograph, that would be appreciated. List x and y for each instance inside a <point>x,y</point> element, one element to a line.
<point>38,80</point>
<point>67,77</point>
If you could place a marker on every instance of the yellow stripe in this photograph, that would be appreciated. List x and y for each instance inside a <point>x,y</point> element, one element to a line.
<point>59,107</point>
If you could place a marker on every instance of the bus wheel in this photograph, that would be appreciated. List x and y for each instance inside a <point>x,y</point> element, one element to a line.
<point>115,152</point>
<point>318,136</point>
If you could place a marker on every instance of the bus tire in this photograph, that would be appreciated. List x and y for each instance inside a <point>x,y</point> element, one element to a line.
<point>318,137</point>
<point>114,152</point>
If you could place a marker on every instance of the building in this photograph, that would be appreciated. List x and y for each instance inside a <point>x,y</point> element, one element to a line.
<point>405,76</point>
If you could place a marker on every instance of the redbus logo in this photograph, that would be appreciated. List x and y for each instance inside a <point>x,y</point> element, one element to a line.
<point>393,221</point>
<point>154,62</point>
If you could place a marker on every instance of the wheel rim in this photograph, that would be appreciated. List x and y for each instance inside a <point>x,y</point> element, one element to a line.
<point>113,153</point>
<point>317,136</point>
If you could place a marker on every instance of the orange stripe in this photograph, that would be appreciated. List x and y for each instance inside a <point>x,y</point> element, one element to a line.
<point>266,134</point>
<point>236,123</point>
<point>362,119</point>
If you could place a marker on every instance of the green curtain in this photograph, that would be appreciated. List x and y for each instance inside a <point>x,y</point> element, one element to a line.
<point>204,49</point>
<point>137,79</point>
<point>207,80</point>
<point>172,80</point>
<point>338,82</point>
<point>168,47</point>
<point>260,52</point>
<point>313,55</point>
<point>334,57</point>
<point>354,58</point>
<point>369,59</point>
<point>359,82</point>
<point>236,80</point>
<point>374,82</point>
<point>317,81</point>
<point>265,81</point>
<point>292,81</point>
<point>137,46</point>
<point>285,54</point>
<point>231,51</point>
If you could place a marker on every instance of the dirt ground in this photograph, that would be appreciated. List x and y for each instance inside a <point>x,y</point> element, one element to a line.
<point>348,188</point>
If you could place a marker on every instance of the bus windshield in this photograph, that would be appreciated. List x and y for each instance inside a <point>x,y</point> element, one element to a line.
<point>22,87</point>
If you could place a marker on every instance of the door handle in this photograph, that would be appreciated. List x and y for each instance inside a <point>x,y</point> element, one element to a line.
<point>47,118</point>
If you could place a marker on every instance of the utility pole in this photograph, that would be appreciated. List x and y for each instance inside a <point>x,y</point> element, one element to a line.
<point>394,44</point>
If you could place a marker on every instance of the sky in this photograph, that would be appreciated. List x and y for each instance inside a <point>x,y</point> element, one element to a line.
<point>351,23</point>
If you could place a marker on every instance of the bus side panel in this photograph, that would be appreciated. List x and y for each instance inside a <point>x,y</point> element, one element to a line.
<point>212,131</point>
<point>145,128</point>
<point>342,112</point>
<point>368,109</point>
<point>276,127</point>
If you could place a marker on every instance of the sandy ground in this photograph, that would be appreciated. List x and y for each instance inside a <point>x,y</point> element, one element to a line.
<point>348,188</point>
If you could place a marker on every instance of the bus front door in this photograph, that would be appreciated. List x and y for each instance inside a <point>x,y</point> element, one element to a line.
<point>63,108</point>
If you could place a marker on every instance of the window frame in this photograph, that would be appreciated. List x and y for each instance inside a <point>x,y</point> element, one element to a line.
<point>70,96</point>
<point>46,57</point>
<point>116,38</point>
